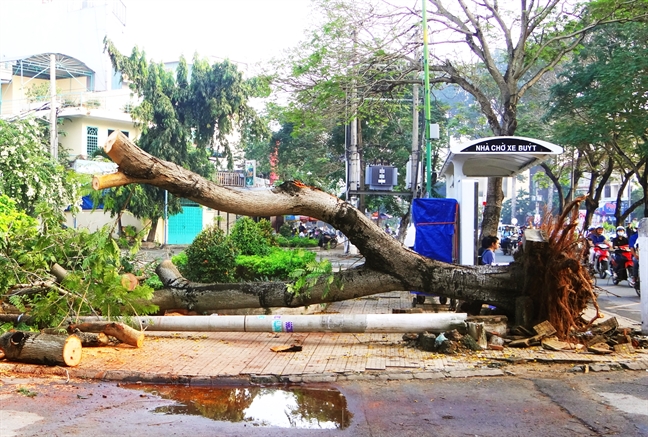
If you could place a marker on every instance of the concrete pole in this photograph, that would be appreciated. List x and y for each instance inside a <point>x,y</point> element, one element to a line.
<point>53,133</point>
<point>385,323</point>
<point>513,198</point>
<point>414,157</point>
<point>642,241</point>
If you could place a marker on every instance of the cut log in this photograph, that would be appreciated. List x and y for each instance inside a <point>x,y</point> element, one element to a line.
<point>121,332</point>
<point>38,348</point>
<point>92,339</point>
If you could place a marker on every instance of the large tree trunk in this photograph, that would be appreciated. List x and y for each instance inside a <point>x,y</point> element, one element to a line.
<point>388,264</point>
<point>493,209</point>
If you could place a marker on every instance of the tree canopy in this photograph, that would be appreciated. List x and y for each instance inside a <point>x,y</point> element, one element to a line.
<point>28,175</point>
<point>186,116</point>
<point>495,52</point>
<point>599,106</point>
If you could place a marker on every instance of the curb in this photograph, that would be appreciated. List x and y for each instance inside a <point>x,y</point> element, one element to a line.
<point>262,380</point>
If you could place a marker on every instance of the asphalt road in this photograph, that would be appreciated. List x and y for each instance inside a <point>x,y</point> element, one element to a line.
<point>535,402</point>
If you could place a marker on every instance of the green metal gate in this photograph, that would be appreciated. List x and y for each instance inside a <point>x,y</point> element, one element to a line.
<point>184,227</point>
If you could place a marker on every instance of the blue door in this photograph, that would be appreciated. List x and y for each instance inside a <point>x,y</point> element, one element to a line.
<point>184,227</point>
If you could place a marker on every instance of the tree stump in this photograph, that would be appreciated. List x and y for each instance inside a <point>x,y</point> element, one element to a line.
<point>38,348</point>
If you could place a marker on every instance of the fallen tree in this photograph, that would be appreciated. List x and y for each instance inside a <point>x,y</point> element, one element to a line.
<point>547,280</point>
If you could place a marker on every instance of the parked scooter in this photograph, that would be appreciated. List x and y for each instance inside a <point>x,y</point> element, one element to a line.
<point>328,240</point>
<point>602,260</point>
<point>623,272</point>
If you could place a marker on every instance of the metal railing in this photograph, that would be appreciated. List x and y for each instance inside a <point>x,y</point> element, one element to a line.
<point>114,100</point>
<point>230,179</point>
<point>237,179</point>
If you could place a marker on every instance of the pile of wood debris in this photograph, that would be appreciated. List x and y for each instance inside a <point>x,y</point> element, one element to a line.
<point>492,333</point>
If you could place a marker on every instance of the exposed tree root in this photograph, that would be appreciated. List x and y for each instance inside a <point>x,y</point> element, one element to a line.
<point>559,284</point>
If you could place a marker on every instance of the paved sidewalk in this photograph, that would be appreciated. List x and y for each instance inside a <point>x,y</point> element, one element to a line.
<point>236,358</point>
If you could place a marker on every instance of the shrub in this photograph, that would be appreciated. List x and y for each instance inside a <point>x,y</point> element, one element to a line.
<point>277,265</point>
<point>296,242</point>
<point>180,260</point>
<point>285,230</point>
<point>252,238</point>
<point>210,257</point>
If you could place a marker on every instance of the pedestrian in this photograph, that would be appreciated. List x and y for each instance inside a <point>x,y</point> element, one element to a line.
<point>490,244</point>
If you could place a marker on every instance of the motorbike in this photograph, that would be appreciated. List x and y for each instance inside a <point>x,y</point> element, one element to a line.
<point>327,240</point>
<point>601,260</point>
<point>506,245</point>
<point>623,272</point>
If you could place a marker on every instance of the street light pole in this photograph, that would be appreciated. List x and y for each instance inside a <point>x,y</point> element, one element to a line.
<point>428,116</point>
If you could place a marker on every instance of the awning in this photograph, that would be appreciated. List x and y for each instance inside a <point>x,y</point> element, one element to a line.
<point>39,65</point>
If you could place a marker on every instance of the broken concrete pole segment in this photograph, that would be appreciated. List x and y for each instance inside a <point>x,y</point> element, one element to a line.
<point>385,323</point>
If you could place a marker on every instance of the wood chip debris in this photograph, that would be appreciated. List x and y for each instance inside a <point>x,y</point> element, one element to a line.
<point>286,348</point>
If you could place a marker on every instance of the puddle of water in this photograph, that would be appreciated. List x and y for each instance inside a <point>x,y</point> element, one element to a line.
<point>287,407</point>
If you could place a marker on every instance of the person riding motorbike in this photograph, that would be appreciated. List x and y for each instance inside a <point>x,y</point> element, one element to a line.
<point>634,248</point>
<point>617,242</point>
<point>594,238</point>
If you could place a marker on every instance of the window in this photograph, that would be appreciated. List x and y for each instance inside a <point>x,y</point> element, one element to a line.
<point>607,191</point>
<point>125,132</point>
<point>92,139</point>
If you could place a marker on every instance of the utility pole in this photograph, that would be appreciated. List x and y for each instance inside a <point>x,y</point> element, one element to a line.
<point>353,156</point>
<point>414,157</point>
<point>428,116</point>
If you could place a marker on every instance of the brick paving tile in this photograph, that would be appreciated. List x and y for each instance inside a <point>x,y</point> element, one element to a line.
<point>340,354</point>
<point>197,353</point>
<point>357,362</point>
<point>299,362</point>
<point>264,353</point>
<point>376,358</point>
<point>278,363</point>
<point>220,349</point>
<point>164,351</point>
<point>322,355</point>
<point>359,306</point>
<point>200,349</point>
<point>237,352</point>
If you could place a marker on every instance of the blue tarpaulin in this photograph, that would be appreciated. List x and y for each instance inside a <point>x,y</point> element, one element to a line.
<point>88,204</point>
<point>435,220</point>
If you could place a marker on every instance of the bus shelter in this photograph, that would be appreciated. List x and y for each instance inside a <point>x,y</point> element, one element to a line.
<point>504,156</point>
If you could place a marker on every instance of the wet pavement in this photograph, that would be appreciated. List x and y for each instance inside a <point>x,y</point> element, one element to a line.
<point>535,403</point>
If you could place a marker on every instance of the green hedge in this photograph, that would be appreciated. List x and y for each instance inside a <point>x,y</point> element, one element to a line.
<point>296,241</point>
<point>277,265</point>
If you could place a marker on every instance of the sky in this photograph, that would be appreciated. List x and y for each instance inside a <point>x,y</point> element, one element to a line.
<point>245,31</point>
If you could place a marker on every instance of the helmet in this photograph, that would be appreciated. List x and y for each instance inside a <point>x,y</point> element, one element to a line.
<point>591,228</point>
<point>600,227</point>
<point>620,228</point>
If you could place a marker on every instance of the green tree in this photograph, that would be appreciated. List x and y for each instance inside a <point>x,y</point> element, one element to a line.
<point>185,116</point>
<point>364,47</point>
<point>599,108</point>
<point>27,172</point>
